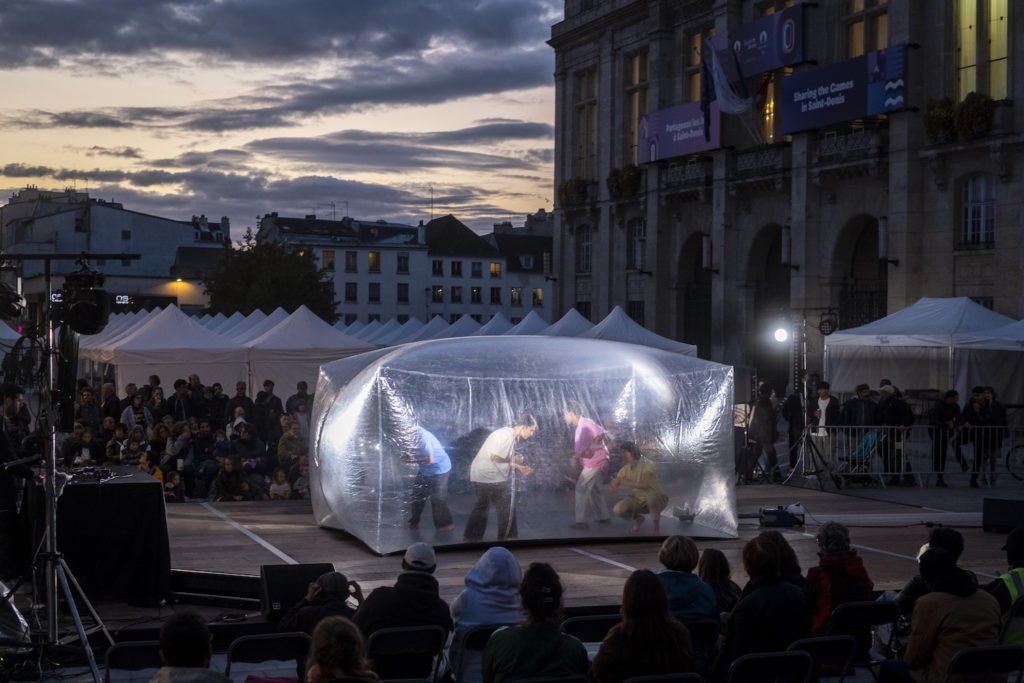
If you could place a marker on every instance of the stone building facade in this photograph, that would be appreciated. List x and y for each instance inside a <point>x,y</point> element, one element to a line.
<point>863,215</point>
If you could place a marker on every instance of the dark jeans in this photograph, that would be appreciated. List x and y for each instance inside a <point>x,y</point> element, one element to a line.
<point>500,496</point>
<point>434,488</point>
<point>940,449</point>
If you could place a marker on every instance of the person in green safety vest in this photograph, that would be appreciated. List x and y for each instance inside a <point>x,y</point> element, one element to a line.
<point>1008,589</point>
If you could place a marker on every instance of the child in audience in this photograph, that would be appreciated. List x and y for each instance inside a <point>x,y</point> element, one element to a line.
<point>116,443</point>
<point>336,652</point>
<point>713,569</point>
<point>146,467</point>
<point>174,490</point>
<point>280,489</point>
<point>301,486</point>
<point>132,452</point>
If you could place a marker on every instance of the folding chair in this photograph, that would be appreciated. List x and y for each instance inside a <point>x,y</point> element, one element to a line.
<point>132,656</point>
<point>832,655</point>
<point>1000,660</point>
<point>704,639</point>
<point>772,667</point>
<point>667,678</point>
<point>407,652</point>
<point>270,647</point>
<point>466,653</point>
<point>857,619</point>
<point>591,629</point>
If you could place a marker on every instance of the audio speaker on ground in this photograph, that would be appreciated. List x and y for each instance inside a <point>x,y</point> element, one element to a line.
<point>283,585</point>
<point>1001,514</point>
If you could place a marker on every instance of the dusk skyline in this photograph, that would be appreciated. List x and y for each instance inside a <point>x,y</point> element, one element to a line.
<point>241,108</point>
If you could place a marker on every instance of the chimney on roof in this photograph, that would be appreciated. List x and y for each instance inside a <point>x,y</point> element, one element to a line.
<point>310,216</point>
<point>421,233</point>
<point>204,224</point>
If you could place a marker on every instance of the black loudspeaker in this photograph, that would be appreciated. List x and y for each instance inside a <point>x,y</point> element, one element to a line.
<point>283,585</point>
<point>1001,514</point>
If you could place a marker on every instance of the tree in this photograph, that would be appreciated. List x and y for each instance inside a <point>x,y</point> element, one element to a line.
<point>265,275</point>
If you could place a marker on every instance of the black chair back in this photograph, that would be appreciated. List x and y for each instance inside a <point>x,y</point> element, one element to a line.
<point>467,651</point>
<point>858,618</point>
<point>704,638</point>
<point>406,652</point>
<point>667,678</point>
<point>591,629</point>
<point>269,647</point>
<point>832,655</point>
<point>996,660</point>
<point>772,667</point>
<point>132,656</point>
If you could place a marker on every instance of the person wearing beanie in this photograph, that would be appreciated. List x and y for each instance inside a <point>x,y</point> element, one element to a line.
<point>954,616</point>
<point>839,577</point>
<point>325,597</point>
<point>414,600</point>
<point>1008,589</point>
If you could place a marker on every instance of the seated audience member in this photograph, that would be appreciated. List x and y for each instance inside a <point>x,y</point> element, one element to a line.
<point>280,489</point>
<point>839,577</point>
<point>131,454</point>
<point>790,566</point>
<point>300,487</point>
<point>79,449</point>
<point>943,537</point>
<point>149,468</point>
<point>953,616</point>
<point>1008,589</point>
<point>290,446</point>
<point>135,413</point>
<point>414,600</point>
<point>250,449</point>
<point>174,489</point>
<point>336,652</point>
<point>644,492</point>
<point>158,441</point>
<point>714,570</point>
<point>186,648</point>
<point>230,484</point>
<point>115,444</point>
<point>538,647</point>
<point>648,641</point>
<point>770,616</point>
<point>325,597</point>
<point>688,596</point>
<point>156,404</point>
<point>239,417</point>
<point>491,596</point>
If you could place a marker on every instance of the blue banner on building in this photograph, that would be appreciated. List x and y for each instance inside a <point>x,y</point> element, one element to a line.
<point>676,131</point>
<point>767,44</point>
<point>868,85</point>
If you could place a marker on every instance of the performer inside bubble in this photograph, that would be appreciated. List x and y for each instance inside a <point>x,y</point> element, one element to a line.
<point>494,475</point>
<point>590,452</point>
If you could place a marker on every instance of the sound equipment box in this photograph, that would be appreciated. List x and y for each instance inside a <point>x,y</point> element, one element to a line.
<point>1001,514</point>
<point>282,586</point>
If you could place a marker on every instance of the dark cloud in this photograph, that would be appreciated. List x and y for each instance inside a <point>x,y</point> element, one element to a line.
<point>47,32</point>
<point>25,171</point>
<point>123,152</point>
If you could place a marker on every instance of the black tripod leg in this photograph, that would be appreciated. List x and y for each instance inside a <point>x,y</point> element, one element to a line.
<point>62,577</point>
<point>70,576</point>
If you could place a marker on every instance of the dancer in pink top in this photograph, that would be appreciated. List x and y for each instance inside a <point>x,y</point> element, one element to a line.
<point>590,449</point>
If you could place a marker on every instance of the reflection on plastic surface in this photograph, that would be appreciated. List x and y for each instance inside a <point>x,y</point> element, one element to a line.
<point>396,432</point>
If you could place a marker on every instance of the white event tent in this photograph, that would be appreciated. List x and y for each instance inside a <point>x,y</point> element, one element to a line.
<point>531,324</point>
<point>572,324</point>
<point>350,330</point>
<point>259,328</point>
<point>465,326</point>
<point>294,349</point>
<point>382,331</point>
<point>213,322</point>
<point>618,326</point>
<point>498,324</point>
<point>228,323</point>
<point>247,323</point>
<point>996,359</point>
<point>919,347</point>
<point>435,325</point>
<point>408,328</point>
<point>367,330</point>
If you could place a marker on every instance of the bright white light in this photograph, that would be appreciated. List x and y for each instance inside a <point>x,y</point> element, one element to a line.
<point>781,335</point>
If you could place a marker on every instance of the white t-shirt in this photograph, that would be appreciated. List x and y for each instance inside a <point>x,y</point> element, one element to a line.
<point>486,471</point>
<point>823,408</point>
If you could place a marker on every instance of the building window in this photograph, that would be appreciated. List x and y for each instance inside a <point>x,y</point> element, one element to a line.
<point>636,96</point>
<point>583,308</point>
<point>402,318</point>
<point>636,236</point>
<point>327,260</point>
<point>453,318</point>
<point>495,269</point>
<point>585,107</point>
<point>635,310</point>
<point>495,295</point>
<point>691,67</point>
<point>126,262</point>
<point>982,55</point>
<point>456,268</point>
<point>373,261</point>
<point>80,224</point>
<point>437,294</point>
<point>351,292</point>
<point>978,220</point>
<point>351,262</point>
<point>351,318</point>
<point>867,27</point>
<point>538,296</point>
<point>456,295</point>
<point>126,235</point>
<point>584,249</point>
<point>516,296</point>
<point>402,293</point>
<point>402,267</point>
<point>373,317</point>
<point>986,301</point>
<point>526,262</point>
<point>477,318</point>
<point>437,267</point>
<point>476,269</point>
<point>476,295</point>
<point>515,320</point>
<point>374,293</point>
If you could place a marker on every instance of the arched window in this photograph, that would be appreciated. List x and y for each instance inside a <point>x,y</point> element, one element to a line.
<point>978,212</point>
<point>636,235</point>
<point>584,249</point>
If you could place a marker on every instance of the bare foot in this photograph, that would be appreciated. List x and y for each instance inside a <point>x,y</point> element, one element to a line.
<point>638,522</point>
<point>656,524</point>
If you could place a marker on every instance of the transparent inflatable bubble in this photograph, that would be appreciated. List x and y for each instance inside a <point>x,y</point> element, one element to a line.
<point>483,439</point>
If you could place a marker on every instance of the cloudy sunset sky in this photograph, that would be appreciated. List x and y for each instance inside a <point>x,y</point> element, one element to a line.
<point>242,107</point>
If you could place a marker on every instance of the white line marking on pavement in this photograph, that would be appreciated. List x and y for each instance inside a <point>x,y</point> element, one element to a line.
<point>602,558</point>
<point>251,534</point>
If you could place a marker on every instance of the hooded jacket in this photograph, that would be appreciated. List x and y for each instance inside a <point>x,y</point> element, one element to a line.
<point>839,577</point>
<point>492,592</point>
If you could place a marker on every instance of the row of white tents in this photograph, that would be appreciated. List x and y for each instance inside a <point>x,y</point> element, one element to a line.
<point>289,348</point>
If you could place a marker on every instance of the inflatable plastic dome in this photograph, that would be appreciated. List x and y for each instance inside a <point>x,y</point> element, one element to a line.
<point>481,439</point>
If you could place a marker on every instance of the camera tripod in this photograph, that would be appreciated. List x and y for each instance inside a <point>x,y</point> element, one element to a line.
<point>812,462</point>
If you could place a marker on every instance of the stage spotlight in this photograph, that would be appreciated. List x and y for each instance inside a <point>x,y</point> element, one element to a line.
<point>782,335</point>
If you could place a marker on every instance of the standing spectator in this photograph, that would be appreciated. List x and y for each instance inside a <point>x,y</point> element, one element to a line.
<point>645,494</point>
<point>944,421</point>
<point>793,414</point>
<point>943,537</point>
<point>157,404</point>
<point>859,411</point>
<point>537,648</point>
<point>972,416</point>
<point>217,406</point>
<point>152,383</point>
<point>325,597</point>
<point>129,390</point>
<point>989,443</point>
<point>179,455</point>
<point>109,403</point>
<point>291,446</point>
<point>688,596</point>
<point>300,394</point>
<point>135,413</point>
<point>267,411</point>
<point>239,399</point>
<point>414,600</point>
<point>839,577</point>
<point>88,411</point>
<point>431,481</point>
<point>763,431</point>
<point>714,570</point>
<point>770,617</point>
<point>195,394</point>
<point>894,413</point>
<point>1008,589</point>
<point>822,415</point>
<point>280,489</point>
<point>337,653</point>
<point>954,616</point>
<point>302,417</point>
<point>186,648</point>
<point>648,641</point>
<point>179,406</point>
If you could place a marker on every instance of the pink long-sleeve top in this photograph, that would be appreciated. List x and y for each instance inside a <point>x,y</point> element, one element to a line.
<point>589,444</point>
